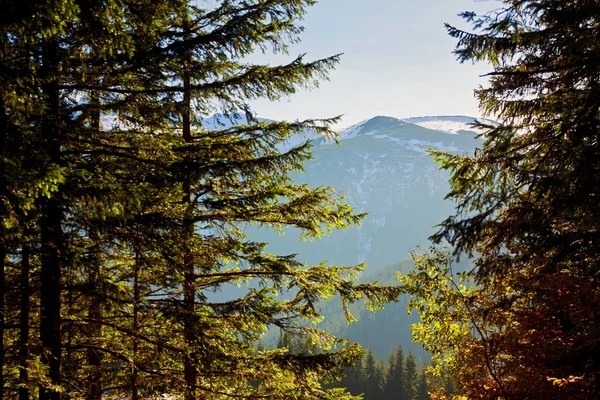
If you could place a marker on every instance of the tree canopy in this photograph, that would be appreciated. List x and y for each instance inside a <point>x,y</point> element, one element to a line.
<point>122,215</point>
<point>527,211</point>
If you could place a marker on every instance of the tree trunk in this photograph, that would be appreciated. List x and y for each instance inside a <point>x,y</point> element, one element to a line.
<point>2,310</point>
<point>51,234</point>
<point>136,299</point>
<point>3,140</point>
<point>24,322</point>
<point>94,357</point>
<point>189,292</point>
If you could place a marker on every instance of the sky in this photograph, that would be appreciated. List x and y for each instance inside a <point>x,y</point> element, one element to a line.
<point>397,61</point>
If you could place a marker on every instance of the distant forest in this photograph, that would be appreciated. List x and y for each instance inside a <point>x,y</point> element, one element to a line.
<point>398,378</point>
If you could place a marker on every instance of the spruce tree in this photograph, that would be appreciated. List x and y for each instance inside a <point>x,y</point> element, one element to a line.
<point>395,386</point>
<point>527,205</point>
<point>411,374</point>
<point>130,225</point>
<point>422,392</point>
<point>374,376</point>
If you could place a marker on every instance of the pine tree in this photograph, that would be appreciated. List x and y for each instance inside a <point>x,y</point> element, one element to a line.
<point>527,205</point>
<point>395,386</point>
<point>145,214</point>
<point>422,392</point>
<point>373,376</point>
<point>411,374</point>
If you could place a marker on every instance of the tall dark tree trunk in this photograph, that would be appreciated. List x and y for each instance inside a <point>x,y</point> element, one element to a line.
<point>51,234</point>
<point>94,357</point>
<point>24,322</point>
<point>135,391</point>
<point>2,309</point>
<point>189,291</point>
<point>3,141</point>
<point>50,293</point>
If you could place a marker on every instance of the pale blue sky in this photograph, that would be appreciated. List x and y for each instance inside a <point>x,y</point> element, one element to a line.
<point>397,61</point>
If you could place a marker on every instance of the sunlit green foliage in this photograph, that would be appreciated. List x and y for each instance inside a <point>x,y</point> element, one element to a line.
<point>102,179</point>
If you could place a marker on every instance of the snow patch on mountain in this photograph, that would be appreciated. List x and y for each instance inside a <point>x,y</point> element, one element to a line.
<point>213,123</point>
<point>369,127</point>
<point>448,124</point>
<point>417,145</point>
<point>226,121</point>
<point>352,131</point>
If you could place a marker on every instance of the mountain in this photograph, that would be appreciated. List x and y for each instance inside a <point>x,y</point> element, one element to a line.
<point>226,121</point>
<point>455,124</point>
<point>381,166</point>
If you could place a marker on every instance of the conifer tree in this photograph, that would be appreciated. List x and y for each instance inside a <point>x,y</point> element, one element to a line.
<point>374,376</point>
<point>395,386</point>
<point>411,373</point>
<point>145,213</point>
<point>422,391</point>
<point>527,208</point>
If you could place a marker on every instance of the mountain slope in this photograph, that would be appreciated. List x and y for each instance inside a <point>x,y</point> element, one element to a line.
<point>381,167</point>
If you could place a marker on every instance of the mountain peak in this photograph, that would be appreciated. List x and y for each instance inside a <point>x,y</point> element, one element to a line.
<point>223,121</point>
<point>370,126</point>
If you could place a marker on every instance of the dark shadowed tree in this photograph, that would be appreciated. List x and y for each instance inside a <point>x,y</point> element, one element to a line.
<point>527,208</point>
<point>395,385</point>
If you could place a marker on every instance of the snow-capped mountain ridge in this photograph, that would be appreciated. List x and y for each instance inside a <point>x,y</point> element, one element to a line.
<point>376,126</point>
<point>414,134</point>
<point>370,126</point>
<point>225,121</point>
<point>454,124</point>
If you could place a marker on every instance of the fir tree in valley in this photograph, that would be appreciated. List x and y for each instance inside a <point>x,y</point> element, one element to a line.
<point>411,376</point>
<point>422,387</point>
<point>395,385</point>
<point>374,375</point>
